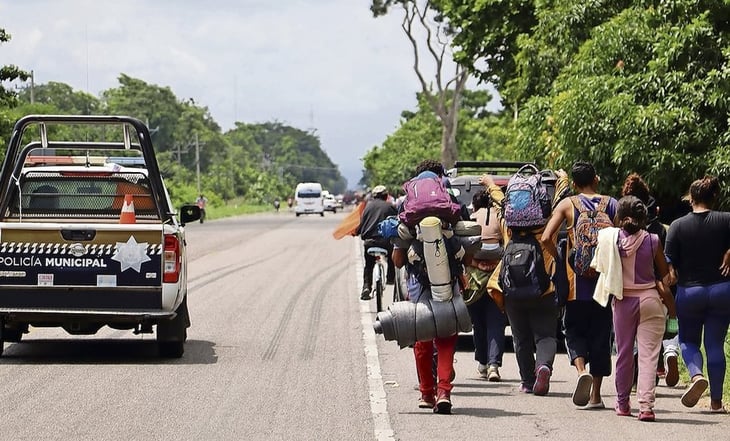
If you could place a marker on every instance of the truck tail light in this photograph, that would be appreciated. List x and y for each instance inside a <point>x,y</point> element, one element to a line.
<point>171,259</point>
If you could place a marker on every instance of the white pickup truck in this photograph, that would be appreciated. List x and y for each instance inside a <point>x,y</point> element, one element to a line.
<point>88,235</point>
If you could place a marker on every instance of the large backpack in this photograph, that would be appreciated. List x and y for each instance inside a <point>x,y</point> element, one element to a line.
<point>523,275</point>
<point>427,197</point>
<point>585,234</point>
<point>526,200</point>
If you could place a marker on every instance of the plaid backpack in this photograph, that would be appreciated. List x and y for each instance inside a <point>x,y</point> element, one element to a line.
<point>526,200</point>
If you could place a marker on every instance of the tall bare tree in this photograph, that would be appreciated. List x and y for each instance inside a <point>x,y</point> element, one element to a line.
<point>428,36</point>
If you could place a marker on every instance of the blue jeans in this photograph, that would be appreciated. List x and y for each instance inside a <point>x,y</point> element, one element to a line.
<point>708,308</point>
<point>489,323</point>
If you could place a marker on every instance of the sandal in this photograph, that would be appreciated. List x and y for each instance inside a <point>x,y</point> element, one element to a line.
<point>582,393</point>
<point>693,394</point>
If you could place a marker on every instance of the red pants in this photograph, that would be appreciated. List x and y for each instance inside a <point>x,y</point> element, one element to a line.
<point>423,350</point>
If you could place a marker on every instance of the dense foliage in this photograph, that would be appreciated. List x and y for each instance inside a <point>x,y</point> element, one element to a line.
<point>631,85</point>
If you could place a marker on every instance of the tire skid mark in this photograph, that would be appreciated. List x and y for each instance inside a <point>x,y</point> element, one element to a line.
<point>311,337</point>
<point>227,270</point>
<point>246,235</point>
<point>273,347</point>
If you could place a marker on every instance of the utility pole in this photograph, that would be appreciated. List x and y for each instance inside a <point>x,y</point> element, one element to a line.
<point>197,160</point>
<point>32,88</point>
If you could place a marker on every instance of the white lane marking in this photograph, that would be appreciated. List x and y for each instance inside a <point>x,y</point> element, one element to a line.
<point>378,399</point>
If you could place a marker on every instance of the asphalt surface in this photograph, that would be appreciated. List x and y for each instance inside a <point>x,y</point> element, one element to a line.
<point>281,348</point>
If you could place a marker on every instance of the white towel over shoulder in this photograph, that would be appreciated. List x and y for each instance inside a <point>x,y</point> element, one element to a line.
<point>607,262</point>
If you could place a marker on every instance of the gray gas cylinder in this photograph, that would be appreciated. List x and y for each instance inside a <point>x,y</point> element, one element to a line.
<point>407,322</point>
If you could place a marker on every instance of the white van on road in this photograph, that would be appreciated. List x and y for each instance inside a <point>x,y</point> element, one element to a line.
<point>308,199</point>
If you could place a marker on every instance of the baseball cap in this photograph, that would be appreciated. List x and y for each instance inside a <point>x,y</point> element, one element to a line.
<point>378,189</point>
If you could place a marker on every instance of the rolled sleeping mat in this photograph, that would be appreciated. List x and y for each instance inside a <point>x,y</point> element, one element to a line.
<point>404,317</point>
<point>444,316</point>
<point>467,228</point>
<point>471,244</point>
<point>405,233</point>
<point>463,319</point>
<point>437,261</point>
<point>425,325</point>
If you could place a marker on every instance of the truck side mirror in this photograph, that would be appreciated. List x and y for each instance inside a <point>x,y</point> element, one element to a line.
<point>189,213</point>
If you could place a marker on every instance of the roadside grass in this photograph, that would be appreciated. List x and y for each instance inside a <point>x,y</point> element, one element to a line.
<point>235,207</point>
<point>684,374</point>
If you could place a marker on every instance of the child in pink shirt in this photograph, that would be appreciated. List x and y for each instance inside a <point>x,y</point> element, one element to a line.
<point>640,315</point>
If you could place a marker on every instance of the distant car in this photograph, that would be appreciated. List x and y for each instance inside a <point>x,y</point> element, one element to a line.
<point>330,203</point>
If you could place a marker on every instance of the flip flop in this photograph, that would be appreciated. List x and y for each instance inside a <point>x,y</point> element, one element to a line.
<point>582,393</point>
<point>694,392</point>
<point>719,410</point>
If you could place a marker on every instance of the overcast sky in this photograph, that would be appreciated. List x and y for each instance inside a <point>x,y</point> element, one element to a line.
<point>323,64</point>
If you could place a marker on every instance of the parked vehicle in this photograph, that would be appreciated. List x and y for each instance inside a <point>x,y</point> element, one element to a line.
<point>308,199</point>
<point>89,235</point>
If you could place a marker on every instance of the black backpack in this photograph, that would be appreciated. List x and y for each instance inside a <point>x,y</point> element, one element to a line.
<point>523,274</point>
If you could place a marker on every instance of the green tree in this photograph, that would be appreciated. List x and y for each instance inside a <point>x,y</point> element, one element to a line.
<point>482,135</point>
<point>8,97</point>
<point>63,98</point>
<point>646,91</point>
<point>443,92</point>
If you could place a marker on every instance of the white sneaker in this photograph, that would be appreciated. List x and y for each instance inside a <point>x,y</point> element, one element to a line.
<point>483,370</point>
<point>493,373</point>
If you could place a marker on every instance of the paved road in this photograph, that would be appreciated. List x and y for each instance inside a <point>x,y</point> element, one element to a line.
<point>282,349</point>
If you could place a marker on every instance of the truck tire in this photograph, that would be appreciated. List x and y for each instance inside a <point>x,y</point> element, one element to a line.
<point>14,335</point>
<point>171,334</point>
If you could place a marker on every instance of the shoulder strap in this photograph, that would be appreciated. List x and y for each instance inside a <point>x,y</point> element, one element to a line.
<point>578,204</point>
<point>603,204</point>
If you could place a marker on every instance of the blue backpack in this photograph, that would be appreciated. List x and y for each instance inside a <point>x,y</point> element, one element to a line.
<point>388,227</point>
<point>526,200</point>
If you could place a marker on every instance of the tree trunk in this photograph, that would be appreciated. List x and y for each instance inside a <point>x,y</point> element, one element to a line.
<point>448,142</point>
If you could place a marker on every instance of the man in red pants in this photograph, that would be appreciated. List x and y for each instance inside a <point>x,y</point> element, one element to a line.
<point>435,392</point>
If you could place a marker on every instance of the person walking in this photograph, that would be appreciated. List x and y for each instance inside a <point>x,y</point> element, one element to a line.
<point>435,391</point>
<point>202,202</point>
<point>698,250</point>
<point>587,324</point>
<point>376,210</point>
<point>488,319</point>
<point>638,302</point>
<point>533,321</point>
<point>634,185</point>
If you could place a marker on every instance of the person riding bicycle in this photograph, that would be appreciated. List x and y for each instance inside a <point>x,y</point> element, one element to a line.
<point>376,209</point>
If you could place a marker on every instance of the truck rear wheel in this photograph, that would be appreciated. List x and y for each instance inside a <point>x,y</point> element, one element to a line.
<point>171,334</point>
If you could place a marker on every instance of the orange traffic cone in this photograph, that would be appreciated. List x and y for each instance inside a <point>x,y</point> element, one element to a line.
<point>127,215</point>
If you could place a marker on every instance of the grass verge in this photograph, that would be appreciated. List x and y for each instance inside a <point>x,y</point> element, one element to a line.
<point>235,207</point>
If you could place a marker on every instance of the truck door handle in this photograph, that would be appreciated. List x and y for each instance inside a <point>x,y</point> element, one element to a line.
<point>78,234</point>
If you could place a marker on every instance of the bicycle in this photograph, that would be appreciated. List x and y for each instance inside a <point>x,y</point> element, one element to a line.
<point>378,274</point>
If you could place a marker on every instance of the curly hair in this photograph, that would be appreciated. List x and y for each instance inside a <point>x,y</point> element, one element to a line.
<point>631,214</point>
<point>634,185</point>
<point>705,190</point>
<point>430,165</point>
<point>481,199</point>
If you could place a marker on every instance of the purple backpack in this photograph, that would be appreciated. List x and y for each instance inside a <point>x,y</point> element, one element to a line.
<point>526,200</point>
<point>427,197</point>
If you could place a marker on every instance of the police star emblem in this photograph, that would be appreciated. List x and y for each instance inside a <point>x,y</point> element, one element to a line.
<point>131,254</point>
